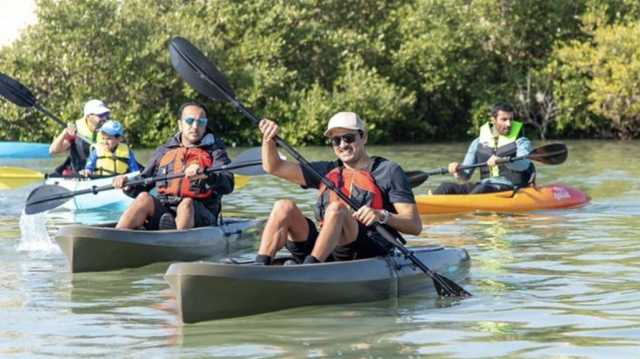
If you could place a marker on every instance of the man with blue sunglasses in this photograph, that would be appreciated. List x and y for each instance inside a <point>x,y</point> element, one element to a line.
<point>190,201</point>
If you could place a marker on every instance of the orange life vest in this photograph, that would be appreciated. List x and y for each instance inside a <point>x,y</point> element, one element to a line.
<point>176,161</point>
<point>358,185</point>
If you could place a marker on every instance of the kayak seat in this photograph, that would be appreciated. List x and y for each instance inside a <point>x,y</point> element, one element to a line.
<point>530,183</point>
<point>167,221</point>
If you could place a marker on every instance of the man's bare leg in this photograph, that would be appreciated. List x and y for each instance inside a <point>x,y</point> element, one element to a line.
<point>185,214</point>
<point>339,228</point>
<point>285,221</point>
<point>134,217</point>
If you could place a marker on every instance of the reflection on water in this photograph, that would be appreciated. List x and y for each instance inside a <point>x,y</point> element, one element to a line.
<point>545,284</point>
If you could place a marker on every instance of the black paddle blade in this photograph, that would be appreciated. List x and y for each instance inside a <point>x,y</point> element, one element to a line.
<point>248,168</point>
<point>416,178</point>
<point>551,154</point>
<point>197,70</point>
<point>250,156</point>
<point>15,92</point>
<point>46,197</point>
<point>445,287</point>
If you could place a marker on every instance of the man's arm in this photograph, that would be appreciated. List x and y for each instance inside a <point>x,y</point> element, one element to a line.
<point>271,161</point>
<point>61,143</point>
<point>223,181</point>
<point>407,220</point>
<point>149,171</point>
<point>524,148</point>
<point>469,159</point>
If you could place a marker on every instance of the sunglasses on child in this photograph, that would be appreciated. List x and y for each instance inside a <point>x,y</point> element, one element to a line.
<point>201,122</point>
<point>348,138</point>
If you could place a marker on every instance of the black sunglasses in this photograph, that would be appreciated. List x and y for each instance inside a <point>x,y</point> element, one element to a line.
<point>348,138</point>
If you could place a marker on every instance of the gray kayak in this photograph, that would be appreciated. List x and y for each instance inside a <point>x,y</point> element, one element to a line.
<point>207,291</point>
<point>102,248</point>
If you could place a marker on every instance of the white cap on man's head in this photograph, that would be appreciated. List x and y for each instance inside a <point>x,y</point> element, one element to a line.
<point>348,120</point>
<point>95,107</point>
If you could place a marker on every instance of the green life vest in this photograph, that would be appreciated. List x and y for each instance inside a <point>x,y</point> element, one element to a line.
<point>491,143</point>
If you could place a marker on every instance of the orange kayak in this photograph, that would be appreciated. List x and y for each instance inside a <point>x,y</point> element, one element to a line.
<point>526,199</point>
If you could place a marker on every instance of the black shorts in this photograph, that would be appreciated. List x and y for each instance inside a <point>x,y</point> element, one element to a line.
<point>471,188</point>
<point>365,246</point>
<point>455,188</point>
<point>203,216</point>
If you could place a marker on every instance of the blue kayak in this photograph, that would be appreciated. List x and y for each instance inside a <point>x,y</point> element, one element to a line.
<point>23,150</point>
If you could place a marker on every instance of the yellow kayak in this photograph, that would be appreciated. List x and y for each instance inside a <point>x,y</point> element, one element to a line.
<point>525,199</point>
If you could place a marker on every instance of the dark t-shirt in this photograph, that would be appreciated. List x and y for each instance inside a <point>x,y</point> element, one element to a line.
<point>389,177</point>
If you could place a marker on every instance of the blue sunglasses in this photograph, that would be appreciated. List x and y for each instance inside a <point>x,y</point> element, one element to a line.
<point>200,121</point>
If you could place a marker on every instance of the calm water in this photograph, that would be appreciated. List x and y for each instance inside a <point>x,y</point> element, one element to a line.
<point>546,284</point>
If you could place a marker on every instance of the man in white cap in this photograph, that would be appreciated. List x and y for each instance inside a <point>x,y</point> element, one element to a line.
<point>78,137</point>
<point>378,186</point>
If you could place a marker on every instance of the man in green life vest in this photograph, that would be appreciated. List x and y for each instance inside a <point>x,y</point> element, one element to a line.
<point>78,137</point>
<point>500,138</point>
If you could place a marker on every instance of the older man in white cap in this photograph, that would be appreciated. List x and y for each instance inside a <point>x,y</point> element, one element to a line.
<point>378,186</point>
<point>78,137</point>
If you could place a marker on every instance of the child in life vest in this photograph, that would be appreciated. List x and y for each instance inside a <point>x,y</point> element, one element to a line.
<point>111,157</point>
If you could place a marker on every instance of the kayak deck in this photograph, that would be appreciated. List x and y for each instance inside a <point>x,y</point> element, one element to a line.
<point>102,248</point>
<point>206,291</point>
<point>525,199</point>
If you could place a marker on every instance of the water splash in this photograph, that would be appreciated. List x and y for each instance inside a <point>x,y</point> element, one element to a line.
<point>34,236</point>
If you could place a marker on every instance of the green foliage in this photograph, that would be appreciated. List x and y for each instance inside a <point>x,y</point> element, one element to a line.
<point>415,70</point>
<point>598,78</point>
<point>615,64</point>
<point>87,49</point>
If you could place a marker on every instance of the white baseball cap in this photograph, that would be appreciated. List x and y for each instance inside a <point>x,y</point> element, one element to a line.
<point>95,107</point>
<point>348,120</point>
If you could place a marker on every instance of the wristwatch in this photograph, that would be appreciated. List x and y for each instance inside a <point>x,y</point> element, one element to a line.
<point>385,217</point>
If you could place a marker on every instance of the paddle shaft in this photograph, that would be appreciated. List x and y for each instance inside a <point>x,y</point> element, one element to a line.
<point>58,120</point>
<point>144,181</point>
<point>548,154</point>
<point>444,171</point>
